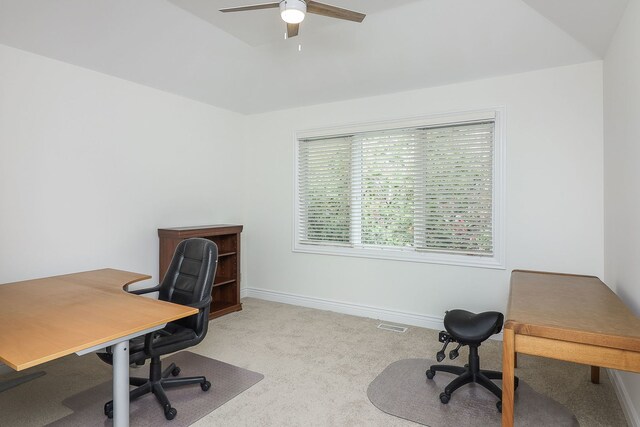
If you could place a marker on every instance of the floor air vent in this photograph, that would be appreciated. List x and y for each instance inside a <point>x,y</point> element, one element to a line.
<point>392,328</point>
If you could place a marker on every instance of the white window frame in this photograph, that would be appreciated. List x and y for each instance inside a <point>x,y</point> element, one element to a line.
<point>497,261</point>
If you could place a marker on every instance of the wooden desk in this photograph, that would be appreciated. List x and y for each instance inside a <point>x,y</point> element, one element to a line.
<point>44,319</point>
<point>566,317</point>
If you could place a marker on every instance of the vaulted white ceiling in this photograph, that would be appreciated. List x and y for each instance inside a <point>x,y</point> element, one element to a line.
<point>243,63</point>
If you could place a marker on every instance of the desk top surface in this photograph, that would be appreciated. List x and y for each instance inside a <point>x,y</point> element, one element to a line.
<point>43,319</point>
<point>570,308</point>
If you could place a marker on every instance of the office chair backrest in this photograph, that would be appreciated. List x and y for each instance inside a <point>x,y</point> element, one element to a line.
<point>189,280</point>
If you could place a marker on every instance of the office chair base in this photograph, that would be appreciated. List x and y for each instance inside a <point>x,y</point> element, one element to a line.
<point>470,373</point>
<point>157,382</point>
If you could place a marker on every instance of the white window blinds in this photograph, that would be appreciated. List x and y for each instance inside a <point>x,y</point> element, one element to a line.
<point>324,193</point>
<point>390,175</point>
<point>419,189</point>
<point>456,190</point>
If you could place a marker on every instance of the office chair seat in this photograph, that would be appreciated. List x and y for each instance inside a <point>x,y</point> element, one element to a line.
<point>170,335</point>
<point>472,328</point>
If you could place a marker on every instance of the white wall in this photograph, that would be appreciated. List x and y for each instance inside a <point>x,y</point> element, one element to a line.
<point>91,166</point>
<point>622,174</point>
<point>554,194</point>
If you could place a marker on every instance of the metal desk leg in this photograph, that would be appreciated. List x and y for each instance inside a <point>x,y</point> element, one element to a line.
<point>508,360</point>
<point>120,348</point>
<point>121,384</point>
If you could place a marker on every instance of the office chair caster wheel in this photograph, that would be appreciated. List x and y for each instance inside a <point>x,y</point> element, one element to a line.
<point>176,371</point>
<point>444,398</point>
<point>170,413</point>
<point>430,374</point>
<point>108,409</point>
<point>515,383</point>
<point>205,386</point>
<point>499,406</point>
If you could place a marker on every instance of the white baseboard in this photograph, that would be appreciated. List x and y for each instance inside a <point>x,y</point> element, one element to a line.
<point>401,317</point>
<point>413,319</point>
<point>628,407</point>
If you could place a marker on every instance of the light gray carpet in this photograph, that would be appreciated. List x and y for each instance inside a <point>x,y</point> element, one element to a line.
<point>15,382</point>
<point>403,390</point>
<point>317,367</point>
<point>227,381</point>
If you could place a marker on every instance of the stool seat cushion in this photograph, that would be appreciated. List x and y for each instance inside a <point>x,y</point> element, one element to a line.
<point>467,327</point>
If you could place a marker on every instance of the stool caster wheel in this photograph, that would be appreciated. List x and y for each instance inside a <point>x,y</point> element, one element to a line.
<point>430,374</point>
<point>176,371</point>
<point>108,408</point>
<point>444,398</point>
<point>205,386</point>
<point>499,405</point>
<point>515,383</point>
<point>170,413</point>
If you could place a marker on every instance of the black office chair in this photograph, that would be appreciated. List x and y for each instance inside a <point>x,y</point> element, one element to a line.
<point>466,328</point>
<point>188,281</point>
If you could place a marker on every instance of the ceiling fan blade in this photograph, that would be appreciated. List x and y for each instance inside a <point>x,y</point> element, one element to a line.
<point>333,11</point>
<point>252,7</point>
<point>292,30</point>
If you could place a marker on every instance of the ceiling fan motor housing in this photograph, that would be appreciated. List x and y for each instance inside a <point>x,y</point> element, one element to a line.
<point>293,11</point>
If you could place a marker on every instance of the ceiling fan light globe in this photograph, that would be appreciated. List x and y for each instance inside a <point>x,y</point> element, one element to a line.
<point>292,16</point>
<point>293,11</point>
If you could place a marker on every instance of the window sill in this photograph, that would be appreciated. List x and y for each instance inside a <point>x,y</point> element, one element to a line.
<point>493,262</point>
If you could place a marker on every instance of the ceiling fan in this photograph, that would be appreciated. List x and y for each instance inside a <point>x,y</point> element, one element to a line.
<point>294,11</point>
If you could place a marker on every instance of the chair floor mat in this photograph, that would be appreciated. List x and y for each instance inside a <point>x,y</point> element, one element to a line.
<point>403,390</point>
<point>227,381</point>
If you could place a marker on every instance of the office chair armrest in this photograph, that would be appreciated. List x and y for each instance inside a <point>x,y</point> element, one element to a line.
<point>145,290</point>
<point>148,339</point>
<point>200,304</point>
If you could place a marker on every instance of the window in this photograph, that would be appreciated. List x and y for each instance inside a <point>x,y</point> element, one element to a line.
<point>421,190</point>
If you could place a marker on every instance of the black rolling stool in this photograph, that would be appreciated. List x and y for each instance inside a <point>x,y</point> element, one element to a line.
<point>466,328</point>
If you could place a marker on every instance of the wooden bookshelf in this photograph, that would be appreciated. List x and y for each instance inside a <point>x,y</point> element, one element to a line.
<point>226,285</point>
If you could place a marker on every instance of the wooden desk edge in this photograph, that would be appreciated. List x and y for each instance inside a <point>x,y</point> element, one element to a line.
<point>514,341</point>
<point>509,351</point>
<point>554,274</point>
<point>134,280</point>
<point>66,352</point>
<point>190,311</point>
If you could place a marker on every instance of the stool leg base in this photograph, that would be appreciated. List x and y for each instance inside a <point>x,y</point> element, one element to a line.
<point>471,373</point>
